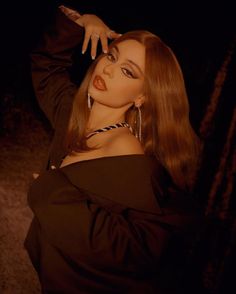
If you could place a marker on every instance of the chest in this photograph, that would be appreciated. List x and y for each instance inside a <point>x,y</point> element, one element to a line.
<point>77,157</point>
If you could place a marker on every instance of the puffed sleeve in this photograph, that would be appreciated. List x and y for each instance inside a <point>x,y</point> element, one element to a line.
<point>50,61</point>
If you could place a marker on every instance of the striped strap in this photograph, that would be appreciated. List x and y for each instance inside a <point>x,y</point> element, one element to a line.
<point>115,126</point>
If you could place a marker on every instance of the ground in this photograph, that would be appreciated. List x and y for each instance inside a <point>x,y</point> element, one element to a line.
<point>23,149</point>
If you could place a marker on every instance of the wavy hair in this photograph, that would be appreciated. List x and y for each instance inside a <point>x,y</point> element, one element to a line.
<point>166,130</point>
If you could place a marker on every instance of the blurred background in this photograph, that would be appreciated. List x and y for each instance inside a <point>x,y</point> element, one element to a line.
<point>203,37</point>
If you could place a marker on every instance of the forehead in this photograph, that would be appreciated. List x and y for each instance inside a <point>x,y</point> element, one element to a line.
<point>132,50</point>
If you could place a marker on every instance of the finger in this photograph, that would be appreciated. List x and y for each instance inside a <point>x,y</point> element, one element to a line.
<point>70,13</point>
<point>73,16</point>
<point>86,41</point>
<point>65,9</point>
<point>94,44</point>
<point>104,42</point>
<point>113,35</point>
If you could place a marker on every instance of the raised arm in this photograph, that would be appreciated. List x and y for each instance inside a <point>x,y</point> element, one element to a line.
<point>52,58</point>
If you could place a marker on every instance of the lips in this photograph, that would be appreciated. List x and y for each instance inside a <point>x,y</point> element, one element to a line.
<point>99,83</point>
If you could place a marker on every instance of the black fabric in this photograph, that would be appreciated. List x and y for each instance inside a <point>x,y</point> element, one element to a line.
<point>86,238</point>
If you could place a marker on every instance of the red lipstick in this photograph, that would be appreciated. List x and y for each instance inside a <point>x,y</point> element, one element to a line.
<point>99,83</point>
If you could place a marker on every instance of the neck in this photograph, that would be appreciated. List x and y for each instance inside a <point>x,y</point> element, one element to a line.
<point>102,116</point>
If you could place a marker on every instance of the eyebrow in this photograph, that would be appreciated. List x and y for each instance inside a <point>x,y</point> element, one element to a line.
<point>130,61</point>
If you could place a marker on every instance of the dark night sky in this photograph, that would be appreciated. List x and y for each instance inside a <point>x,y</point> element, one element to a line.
<point>199,34</point>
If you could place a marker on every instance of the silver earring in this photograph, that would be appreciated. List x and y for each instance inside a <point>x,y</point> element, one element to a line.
<point>139,129</point>
<point>89,101</point>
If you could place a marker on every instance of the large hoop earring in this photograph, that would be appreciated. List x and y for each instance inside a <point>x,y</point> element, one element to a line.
<point>89,101</point>
<point>139,124</point>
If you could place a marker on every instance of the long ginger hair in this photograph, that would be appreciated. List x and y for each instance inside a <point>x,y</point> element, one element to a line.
<point>166,130</point>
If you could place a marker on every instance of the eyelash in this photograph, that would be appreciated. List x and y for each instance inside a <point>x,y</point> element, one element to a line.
<point>127,72</point>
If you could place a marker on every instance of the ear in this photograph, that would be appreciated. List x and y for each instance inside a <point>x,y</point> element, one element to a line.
<point>139,101</point>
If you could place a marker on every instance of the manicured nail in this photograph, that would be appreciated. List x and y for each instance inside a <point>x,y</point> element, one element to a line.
<point>93,57</point>
<point>104,51</point>
<point>82,51</point>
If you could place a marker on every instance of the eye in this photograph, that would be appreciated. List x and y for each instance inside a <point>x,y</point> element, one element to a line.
<point>111,57</point>
<point>128,73</point>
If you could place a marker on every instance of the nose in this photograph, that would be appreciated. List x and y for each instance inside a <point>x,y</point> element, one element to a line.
<point>108,69</point>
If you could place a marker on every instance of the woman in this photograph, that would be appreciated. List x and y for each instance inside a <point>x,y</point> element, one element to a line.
<point>123,159</point>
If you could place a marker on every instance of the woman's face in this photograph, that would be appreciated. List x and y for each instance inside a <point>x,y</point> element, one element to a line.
<point>118,77</point>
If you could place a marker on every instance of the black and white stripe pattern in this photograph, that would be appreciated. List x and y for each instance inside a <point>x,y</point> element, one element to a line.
<point>118,125</point>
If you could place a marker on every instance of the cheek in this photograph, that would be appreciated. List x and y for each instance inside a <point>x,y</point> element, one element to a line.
<point>122,93</point>
<point>128,89</point>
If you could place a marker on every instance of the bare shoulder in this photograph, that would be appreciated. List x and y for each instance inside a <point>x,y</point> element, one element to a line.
<point>125,143</point>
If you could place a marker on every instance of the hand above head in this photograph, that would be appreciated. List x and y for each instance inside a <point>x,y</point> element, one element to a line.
<point>95,29</point>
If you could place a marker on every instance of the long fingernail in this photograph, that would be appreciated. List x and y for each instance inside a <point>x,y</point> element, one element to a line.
<point>93,57</point>
<point>82,51</point>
